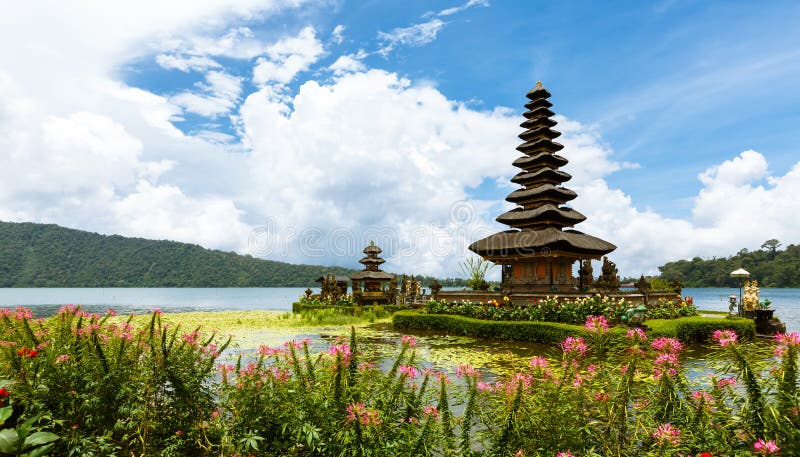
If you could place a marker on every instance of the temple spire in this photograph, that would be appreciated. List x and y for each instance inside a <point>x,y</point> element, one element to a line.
<point>538,252</point>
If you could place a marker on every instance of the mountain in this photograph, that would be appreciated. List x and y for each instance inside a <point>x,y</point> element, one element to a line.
<point>769,265</point>
<point>45,255</point>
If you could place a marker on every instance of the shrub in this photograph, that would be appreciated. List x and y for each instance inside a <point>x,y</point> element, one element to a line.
<point>700,329</point>
<point>553,309</point>
<point>148,392</point>
<point>108,387</point>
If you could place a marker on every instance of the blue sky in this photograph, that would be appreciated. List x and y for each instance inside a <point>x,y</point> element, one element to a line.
<point>674,86</point>
<point>227,118</point>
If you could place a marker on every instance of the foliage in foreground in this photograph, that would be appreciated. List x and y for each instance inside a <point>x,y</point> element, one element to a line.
<point>109,389</point>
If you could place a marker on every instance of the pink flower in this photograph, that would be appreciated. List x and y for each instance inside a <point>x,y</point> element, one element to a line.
<point>636,334</point>
<point>724,337</point>
<point>766,448</point>
<point>466,370</point>
<point>157,311</point>
<point>565,454</point>
<point>574,346</point>
<point>409,340</point>
<point>724,382</point>
<point>62,358</point>
<point>520,453</point>
<point>359,412</point>
<point>597,324</point>
<point>341,349</point>
<point>788,339</point>
<point>538,362</point>
<point>667,434</point>
<point>702,400</point>
<point>666,362</point>
<point>667,345</point>
<point>430,410</point>
<point>408,370</point>
<point>602,397</point>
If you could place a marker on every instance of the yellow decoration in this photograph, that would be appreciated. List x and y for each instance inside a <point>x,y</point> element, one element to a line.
<point>750,298</point>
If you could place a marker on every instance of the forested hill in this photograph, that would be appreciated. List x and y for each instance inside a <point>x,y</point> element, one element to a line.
<point>37,255</point>
<point>771,266</point>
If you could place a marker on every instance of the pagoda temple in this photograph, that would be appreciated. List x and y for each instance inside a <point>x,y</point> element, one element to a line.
<point>370,282</point>
<point>538,253</point>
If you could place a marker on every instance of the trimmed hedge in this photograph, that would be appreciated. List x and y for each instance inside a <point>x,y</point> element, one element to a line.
<point>686,329</point>
<point>298,307</point>
<point>533,331</point>
<point>699,329</point>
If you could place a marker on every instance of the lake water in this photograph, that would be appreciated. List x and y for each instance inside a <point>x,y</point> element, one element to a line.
<point>45,301</point>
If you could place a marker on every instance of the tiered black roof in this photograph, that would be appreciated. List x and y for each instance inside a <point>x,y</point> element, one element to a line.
<point>372,263</point>
<point>541,197</point>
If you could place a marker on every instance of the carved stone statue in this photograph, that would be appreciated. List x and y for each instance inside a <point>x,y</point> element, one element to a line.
<point>435,288</point>
<point>642,285</point>
<point>609,280</point>
<point>392,291</point>
<point>585,274</point>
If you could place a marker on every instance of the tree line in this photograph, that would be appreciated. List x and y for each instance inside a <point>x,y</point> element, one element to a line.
<point>770,265</point>
<point>47,255</point>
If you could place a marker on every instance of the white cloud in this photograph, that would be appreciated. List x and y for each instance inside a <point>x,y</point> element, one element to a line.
<point>415,35</point>
<point>338,34</point>
<point>457,9</point>
<point>162,212</point>
<point>337,155</point>
<point>350,63</point>
<point>218,95</point>
<point>288,57</point>
<point>186,63</point>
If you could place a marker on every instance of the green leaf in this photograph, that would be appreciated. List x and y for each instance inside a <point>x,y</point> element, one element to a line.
<point>5,413</point>
<point>41,451</point>
<point>39,438</point>
<point>9,441</point>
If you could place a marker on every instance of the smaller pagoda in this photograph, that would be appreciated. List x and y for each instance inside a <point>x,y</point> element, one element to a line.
<point>371,282</point>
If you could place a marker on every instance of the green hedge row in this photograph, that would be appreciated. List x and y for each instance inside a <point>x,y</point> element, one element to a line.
<point>687,329</point>
<point>298,307</point>
<point>533,331</point>
<point>699,329</point>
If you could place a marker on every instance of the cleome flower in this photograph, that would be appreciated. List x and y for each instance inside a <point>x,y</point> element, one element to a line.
<point>724,337</point>
<point>597,324</point>
<point>766,447</point>
<point>667,434</point>
<point>670,345</point>
<point>574,346</point>
<point>359,412</point>
<point>636,334</point>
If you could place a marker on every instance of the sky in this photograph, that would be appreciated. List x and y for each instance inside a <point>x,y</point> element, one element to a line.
<point>300,130</point>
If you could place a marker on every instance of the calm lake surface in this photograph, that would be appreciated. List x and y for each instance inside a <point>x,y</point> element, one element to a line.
<point>45,301</point>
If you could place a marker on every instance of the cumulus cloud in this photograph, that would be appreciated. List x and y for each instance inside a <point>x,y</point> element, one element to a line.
<point>288,57</point>
<point>350,63</point>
